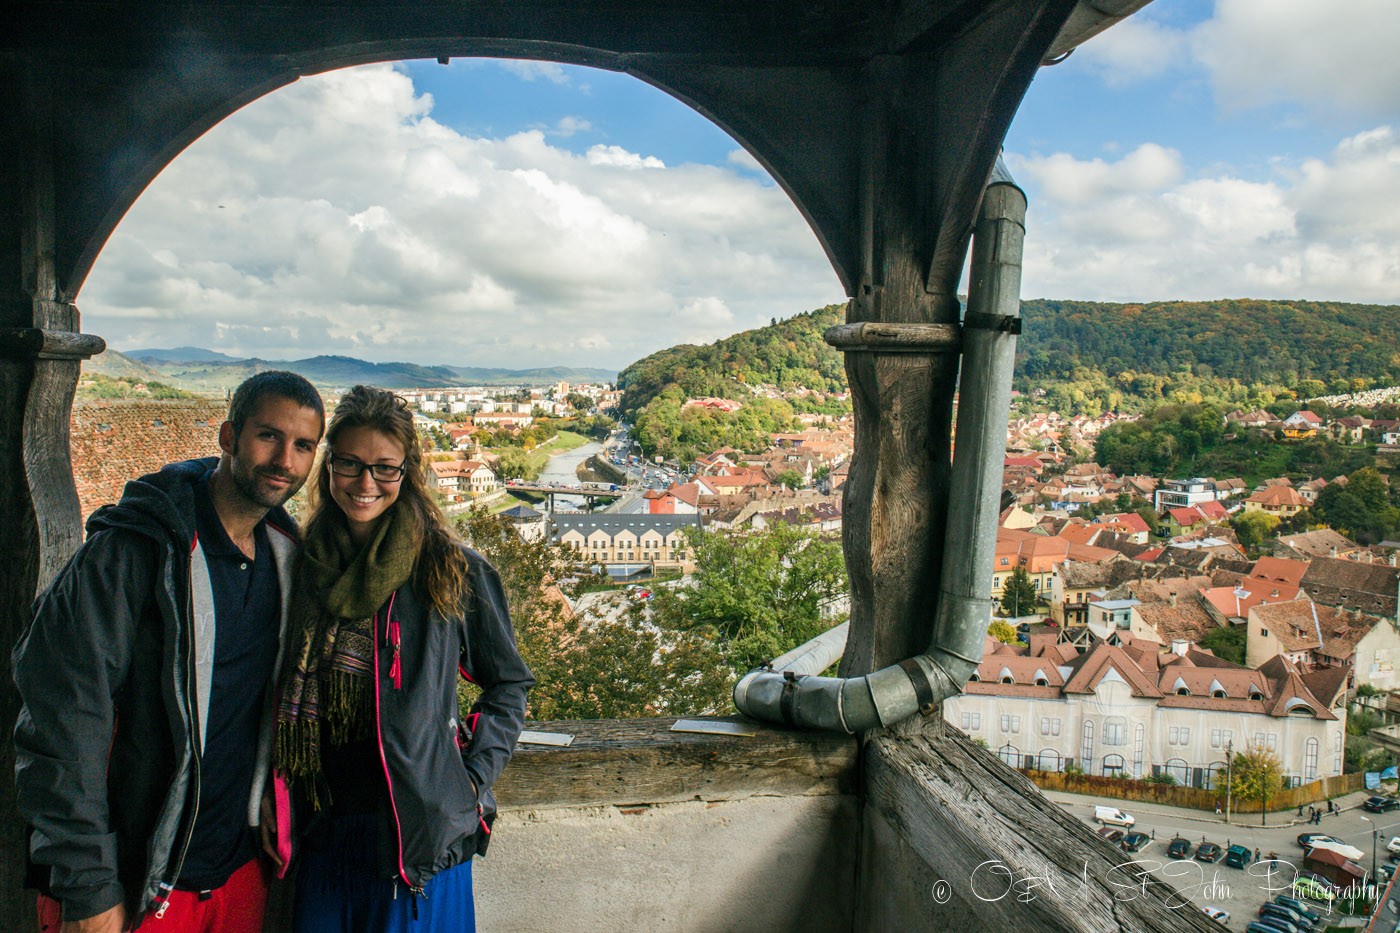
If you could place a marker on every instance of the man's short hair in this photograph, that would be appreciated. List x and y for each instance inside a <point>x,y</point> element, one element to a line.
<point>278,384</point>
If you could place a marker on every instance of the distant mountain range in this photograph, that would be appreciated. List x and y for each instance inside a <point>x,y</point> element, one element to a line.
<point>210,372</point>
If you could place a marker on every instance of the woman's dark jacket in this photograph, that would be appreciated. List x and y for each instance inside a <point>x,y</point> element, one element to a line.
<point>435,811</point>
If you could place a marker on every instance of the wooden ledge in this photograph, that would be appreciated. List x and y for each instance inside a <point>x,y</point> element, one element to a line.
<point>641,761</point>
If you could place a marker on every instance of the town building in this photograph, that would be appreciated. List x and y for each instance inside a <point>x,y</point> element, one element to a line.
<point>625,543</point>
<point>1131,710</point>
<point>1280,501</point>
<point>1184,493</point>
<point>462,480</point>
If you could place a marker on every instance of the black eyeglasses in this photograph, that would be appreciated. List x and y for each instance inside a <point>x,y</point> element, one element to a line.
<point>349,466</point>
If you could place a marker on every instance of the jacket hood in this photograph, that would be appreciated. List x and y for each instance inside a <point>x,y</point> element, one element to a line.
<point>161,504</point>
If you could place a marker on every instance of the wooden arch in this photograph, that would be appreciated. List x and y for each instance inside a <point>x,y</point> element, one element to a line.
<point>881,118</point>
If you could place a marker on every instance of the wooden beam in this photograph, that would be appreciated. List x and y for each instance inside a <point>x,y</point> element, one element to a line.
<point>640,761</point>
<point>984,836</point>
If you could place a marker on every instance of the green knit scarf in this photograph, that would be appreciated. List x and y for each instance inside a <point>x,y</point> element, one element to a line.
<point>325,691</point>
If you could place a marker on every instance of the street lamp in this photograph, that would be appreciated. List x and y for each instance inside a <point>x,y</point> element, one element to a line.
<point>1375,841</point>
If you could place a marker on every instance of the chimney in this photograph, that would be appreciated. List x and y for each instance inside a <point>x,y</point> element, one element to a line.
<point>1333,550</point>
<point>1179,646</point>
<point>1171,601</point>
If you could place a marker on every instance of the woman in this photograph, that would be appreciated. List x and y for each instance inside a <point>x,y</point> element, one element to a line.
<point>388,604</point>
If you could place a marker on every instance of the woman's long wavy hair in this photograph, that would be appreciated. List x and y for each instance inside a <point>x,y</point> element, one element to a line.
<point>440,570</point>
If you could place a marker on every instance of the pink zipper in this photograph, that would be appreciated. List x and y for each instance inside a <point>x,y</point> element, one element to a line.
<point>396,641</point>
<point>383,759</point>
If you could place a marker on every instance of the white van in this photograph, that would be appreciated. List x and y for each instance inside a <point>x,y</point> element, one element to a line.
<point>1112,816</point>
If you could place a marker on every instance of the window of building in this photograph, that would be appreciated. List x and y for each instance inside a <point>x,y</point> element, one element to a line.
<point>1219,738</point>
<point>1114,732</point>
<point>1179,735</point>
<point>1049,726</point>
<point>1139,740</point>
<point>1086,745</point>
<point>971,721</point>
<point>1010,723</point>
<point>1112,765</point>
<point>1310,760</point>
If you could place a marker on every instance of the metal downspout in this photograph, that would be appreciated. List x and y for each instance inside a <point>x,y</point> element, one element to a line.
<point>787,691</point>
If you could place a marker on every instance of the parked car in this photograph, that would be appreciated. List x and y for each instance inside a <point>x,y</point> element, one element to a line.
<point>1207,852</point>
<point>1298,907</point>
<point>1278,923</point>
<point>1284,913</point>
<point>1237,856</point>
<point>1392,848</point>
<point>1134,842</point>
<point>1308,840</point>
<point>1257,927</point>
<point>1381,804</point>
<point>1312,889</point>
<point>1110,834</point>
<point>1179,848</point>
<point>1216,914</point>
<point>1112,816</point>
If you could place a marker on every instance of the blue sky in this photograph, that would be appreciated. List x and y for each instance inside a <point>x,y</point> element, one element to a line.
<point>525,214</point>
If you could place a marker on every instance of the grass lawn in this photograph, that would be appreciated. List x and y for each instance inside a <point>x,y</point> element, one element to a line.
<point>558,444</point>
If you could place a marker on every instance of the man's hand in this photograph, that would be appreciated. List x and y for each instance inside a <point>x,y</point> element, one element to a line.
<point>267,827</point>
<point>112,920</point>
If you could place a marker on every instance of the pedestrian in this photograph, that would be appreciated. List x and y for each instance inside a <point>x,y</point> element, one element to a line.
<point>1218,808</point>
<point>1256,854</point>
<point>389,602</point>
<point>139,759</point>
<point>1329,805</point>
<point>1300,811</point>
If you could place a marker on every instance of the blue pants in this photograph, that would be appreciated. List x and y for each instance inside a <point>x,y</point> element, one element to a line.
<point>339,890</point>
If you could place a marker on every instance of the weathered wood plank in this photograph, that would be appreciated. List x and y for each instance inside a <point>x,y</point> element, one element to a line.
<point>895,338</point>
<point>995,847</point>
<point>615,762</point>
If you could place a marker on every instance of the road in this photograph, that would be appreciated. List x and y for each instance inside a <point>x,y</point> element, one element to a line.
<point>1241,892</point>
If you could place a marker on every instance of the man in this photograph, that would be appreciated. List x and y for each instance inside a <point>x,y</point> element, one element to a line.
<point>146,673</point>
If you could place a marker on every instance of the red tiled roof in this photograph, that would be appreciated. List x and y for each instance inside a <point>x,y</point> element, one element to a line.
<point>1279,570</point>
<point>114,441</point>
<point>1278,496</point>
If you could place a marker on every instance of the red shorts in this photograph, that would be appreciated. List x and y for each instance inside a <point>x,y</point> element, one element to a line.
<point>236,907</point>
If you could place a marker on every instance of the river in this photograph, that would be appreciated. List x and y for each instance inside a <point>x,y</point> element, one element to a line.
<point>562,468</point>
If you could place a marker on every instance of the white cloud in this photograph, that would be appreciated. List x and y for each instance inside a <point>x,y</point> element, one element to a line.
<point>571,126</point>
<point>553,72</point>
<point>1136,48</point>
<point>742,158</point>
<point>1323,55</point>
<point>1135,229</point>
<point>336,216</point>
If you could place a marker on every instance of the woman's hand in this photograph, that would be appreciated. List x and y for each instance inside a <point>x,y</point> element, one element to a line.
<point>267,827</point>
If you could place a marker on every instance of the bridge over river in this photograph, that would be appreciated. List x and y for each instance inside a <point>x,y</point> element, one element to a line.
<point>590,493</point>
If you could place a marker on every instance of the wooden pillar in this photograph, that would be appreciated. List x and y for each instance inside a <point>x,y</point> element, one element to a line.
<point>900,344</point>
<point>41,352</point>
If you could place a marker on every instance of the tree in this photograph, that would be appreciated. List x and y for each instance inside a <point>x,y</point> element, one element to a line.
<point>1018,596</point>
<point>791,479</point>
<point>759,593</point>
<point>589,668</point>
<point>1255,774</point>
<point>1002,631</point>
<point>1226,643</point>
<point>1254,529</point>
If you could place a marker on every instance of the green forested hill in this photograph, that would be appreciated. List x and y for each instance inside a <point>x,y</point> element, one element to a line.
<point>789,354</point>
<point>1087,356</point>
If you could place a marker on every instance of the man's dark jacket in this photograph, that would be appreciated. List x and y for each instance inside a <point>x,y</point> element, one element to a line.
<point>107,742</point>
